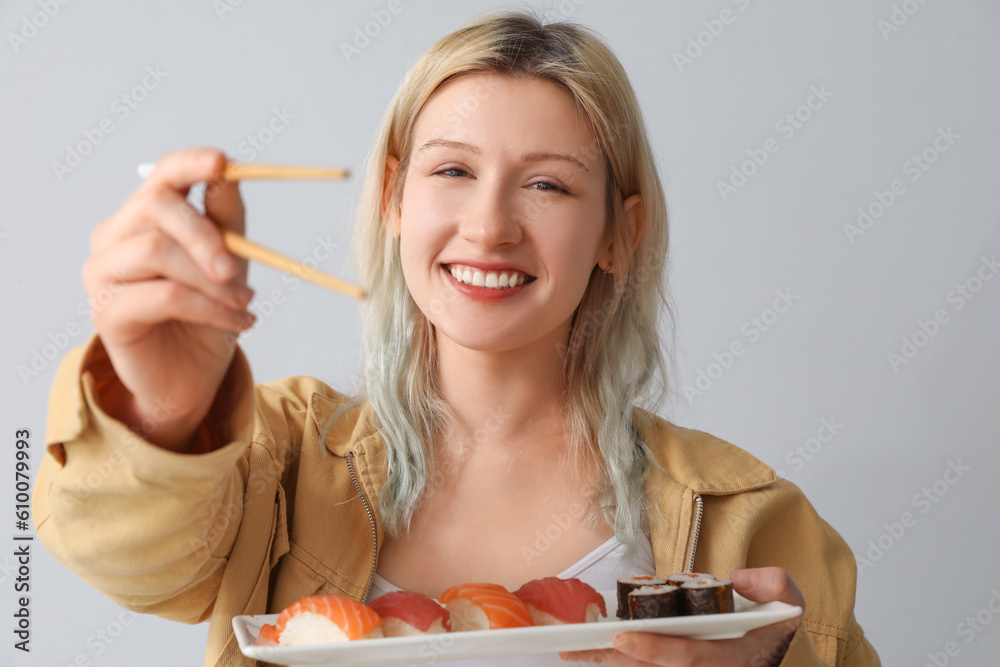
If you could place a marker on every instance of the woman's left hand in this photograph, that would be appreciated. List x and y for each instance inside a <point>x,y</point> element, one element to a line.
<point>763,646</point>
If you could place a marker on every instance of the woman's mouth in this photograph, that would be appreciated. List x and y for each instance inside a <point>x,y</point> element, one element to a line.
<point>494,280</point>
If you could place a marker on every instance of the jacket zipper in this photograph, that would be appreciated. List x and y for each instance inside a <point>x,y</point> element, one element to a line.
<point>699,508</point>
<point>371,521</point>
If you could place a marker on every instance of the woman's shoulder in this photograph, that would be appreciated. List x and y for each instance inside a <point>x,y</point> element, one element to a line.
<point>303,390</point>
<point>316,405</point>
<point>701,461</point>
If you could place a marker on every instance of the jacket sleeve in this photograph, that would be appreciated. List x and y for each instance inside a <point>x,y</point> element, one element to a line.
<point>151,529</point>
<point>786,531</point>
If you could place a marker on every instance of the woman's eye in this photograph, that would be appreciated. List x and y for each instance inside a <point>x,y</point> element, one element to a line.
<point>454,172</point>
<point>549,187</point>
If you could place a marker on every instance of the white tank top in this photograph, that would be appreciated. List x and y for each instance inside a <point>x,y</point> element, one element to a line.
<point>601,568</point>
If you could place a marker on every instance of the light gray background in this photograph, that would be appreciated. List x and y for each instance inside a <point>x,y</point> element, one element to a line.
<point>825,358</point>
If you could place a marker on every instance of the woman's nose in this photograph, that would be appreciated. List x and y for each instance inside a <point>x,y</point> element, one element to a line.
<point>490,219</point>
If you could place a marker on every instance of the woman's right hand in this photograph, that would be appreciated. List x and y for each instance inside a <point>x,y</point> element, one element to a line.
<point>168,299</point>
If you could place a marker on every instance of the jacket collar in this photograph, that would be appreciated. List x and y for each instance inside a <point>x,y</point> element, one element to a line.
<point>700,461</point>
<point>354,428</point>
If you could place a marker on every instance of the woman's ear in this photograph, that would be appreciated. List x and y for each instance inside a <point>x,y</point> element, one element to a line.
<point>389,186</point>
<point>635,218</point>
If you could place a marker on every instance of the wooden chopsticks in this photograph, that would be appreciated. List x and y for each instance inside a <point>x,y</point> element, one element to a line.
<point>235,171</point>
<point>243,247</point>
<point>240,246</point>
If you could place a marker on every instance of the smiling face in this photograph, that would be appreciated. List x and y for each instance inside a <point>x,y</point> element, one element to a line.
<point>504,187</point>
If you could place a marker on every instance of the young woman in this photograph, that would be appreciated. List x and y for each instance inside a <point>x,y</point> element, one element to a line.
<point>512,236</point>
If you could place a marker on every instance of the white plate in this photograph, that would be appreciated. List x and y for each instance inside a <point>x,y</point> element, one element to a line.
<point>516,641</point>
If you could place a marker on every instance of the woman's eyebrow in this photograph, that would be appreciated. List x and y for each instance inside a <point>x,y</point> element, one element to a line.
<point>528,157</point>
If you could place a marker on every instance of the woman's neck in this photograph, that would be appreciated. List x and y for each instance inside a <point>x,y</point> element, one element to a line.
<point>503,399</point>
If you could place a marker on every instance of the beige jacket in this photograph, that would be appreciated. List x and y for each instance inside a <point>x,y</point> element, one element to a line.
<point>274,515</point>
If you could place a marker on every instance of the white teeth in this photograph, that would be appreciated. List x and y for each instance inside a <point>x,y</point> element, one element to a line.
<point>488,279</point>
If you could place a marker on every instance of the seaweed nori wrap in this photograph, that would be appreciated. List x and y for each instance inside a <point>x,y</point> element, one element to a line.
<point>628,584</point>
<point>708,597</point>
<point>655,602</point>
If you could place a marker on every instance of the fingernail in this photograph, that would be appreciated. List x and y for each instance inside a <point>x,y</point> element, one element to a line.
<point>625,644</point>
<point>224,265</point>
<point>747,578</point>
<point>244,293</point>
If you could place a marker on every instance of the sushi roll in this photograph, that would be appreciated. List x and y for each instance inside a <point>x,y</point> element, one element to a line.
<point>708,596</point>
<point>405,614</point>
<point>655,602</point>
<point>484,607</point>
<point>682,578</point>
<point>554,601</point>
<point>628,584</point>
<point>322,619</point>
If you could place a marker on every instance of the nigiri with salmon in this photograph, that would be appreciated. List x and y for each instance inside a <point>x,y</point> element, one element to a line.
<point>484,607</point>
<point>323,619</point>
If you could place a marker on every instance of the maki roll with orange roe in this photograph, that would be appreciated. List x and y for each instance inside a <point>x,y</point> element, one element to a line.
<point>682,578</point>
<point>660,601</point>
<point>708,596</point>
<point>628,584</point>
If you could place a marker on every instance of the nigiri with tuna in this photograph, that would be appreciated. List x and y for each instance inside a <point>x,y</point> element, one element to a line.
<point>555,601</point>
<point>406,613</point>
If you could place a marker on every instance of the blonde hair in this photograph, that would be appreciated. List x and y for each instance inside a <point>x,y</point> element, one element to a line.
<point>613,360</point>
